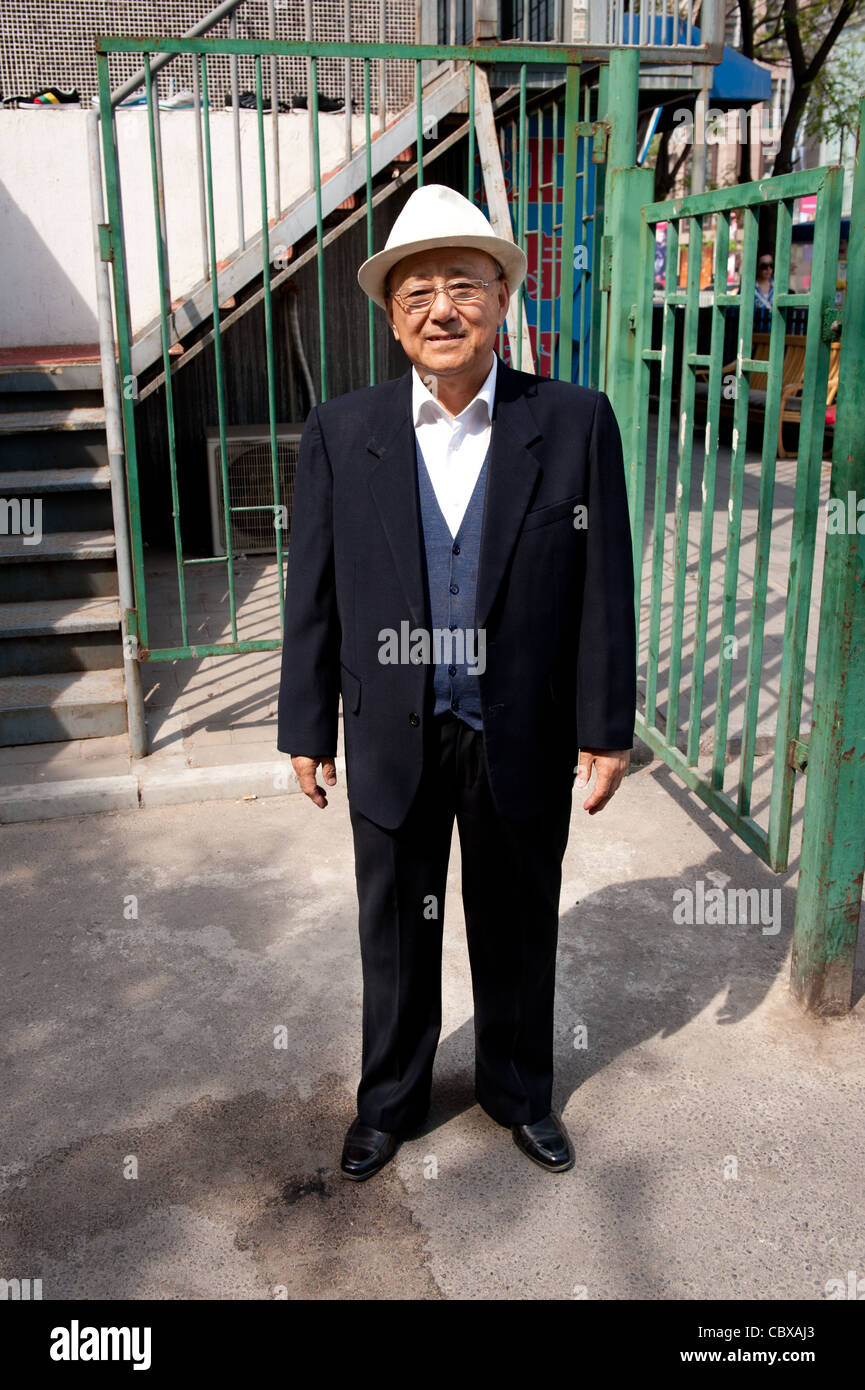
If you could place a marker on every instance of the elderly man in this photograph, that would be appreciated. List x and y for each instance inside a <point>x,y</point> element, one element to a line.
<point>460,571</point>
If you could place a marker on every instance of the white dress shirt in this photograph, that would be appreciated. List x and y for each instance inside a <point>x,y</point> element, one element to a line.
<point>453,446</point>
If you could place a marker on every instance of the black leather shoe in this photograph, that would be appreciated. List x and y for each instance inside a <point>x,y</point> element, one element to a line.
<point>546,1143</point>
<point>366,1150</point>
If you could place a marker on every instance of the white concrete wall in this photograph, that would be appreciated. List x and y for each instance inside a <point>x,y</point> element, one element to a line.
<point>47,284</point>
<point>47,287</point>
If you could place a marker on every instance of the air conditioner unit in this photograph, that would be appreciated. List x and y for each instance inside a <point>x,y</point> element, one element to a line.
<point>250,484</point>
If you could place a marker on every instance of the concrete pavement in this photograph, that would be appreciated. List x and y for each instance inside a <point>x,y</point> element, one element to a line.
<point>182,999</point>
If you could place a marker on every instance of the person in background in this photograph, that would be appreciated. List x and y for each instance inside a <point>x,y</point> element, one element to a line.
<point>765,282</point>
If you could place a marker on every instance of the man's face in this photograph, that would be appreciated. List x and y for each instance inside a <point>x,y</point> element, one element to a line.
<point>447,339</point>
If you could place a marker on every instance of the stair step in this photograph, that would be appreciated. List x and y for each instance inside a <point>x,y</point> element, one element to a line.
<point>52,367</point>
<point>63,690</point>
<point>54,479</point>
<point>59,545</point>
<point>59,616</point>
<point>75,418</point>
<point>48,709</point>
<point>47,356</point>
<point>78,376</point>
<point>35,452</point>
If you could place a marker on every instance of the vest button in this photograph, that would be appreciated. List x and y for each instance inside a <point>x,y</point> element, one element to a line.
<point>452,670</point>
<point>456,550</point>
<point>414,719</point>
<point>455,588</point>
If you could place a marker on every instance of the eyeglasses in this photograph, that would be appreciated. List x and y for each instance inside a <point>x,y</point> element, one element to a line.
<point>765,265</point>
<point>461,291</point>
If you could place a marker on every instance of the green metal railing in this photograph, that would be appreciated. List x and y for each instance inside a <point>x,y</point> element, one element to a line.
<point>828,901</point>
<point>693,216</point>
<point>568,230</point>
<point>832,865</point>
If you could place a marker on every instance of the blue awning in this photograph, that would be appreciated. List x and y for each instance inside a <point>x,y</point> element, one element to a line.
<point>737,79</point>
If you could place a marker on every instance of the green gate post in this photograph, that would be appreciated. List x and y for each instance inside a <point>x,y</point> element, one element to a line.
<point>627,191</point>
<point>833,835</point>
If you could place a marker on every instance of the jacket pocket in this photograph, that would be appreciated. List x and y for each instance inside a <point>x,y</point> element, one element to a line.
<point>350,685</point>
<point>541,516</point>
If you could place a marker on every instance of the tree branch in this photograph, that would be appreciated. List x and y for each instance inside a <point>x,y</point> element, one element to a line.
<point>746,18</point>
<point>793,39</point>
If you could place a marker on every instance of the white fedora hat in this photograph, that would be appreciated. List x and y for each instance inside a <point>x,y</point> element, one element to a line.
<point>437,216</point>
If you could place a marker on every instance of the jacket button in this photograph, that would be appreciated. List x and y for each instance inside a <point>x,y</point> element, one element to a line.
<point>414,719</point>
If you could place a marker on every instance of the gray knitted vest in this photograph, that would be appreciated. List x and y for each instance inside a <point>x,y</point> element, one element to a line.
<point>452,574</point>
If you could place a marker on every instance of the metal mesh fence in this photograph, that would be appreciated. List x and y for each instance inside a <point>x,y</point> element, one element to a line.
<point>49,43</point>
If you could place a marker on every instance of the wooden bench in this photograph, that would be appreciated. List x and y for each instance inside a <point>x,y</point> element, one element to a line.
<point>792,381</point>
<point>791,402</point>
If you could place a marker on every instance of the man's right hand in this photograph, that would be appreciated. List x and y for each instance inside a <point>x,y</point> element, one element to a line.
<point>304,769</point>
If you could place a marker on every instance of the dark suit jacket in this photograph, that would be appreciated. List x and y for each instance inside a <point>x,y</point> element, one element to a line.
<point>556,601</point>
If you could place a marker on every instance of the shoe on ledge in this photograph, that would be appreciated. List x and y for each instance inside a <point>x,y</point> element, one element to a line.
<point>546,1143</point>
<point>366,1150</point>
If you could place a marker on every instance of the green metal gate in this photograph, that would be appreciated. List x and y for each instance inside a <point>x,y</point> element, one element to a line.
<point>834,825</point>
<point>694,216</point>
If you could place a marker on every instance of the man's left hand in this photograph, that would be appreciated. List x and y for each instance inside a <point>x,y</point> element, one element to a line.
<point>610,767</point>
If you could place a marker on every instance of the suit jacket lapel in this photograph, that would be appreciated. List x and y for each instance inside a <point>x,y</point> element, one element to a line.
<point>393,481</point>
<point>512,473</point>
<point>511,476</point>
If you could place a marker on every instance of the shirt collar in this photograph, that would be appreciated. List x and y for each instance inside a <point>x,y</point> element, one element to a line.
<point>424,400</point>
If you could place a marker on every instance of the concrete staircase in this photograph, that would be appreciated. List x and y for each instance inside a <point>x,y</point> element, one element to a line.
<point>61,655</point>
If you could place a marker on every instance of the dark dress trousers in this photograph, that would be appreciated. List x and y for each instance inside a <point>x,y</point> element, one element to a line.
<point>555,600</point>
